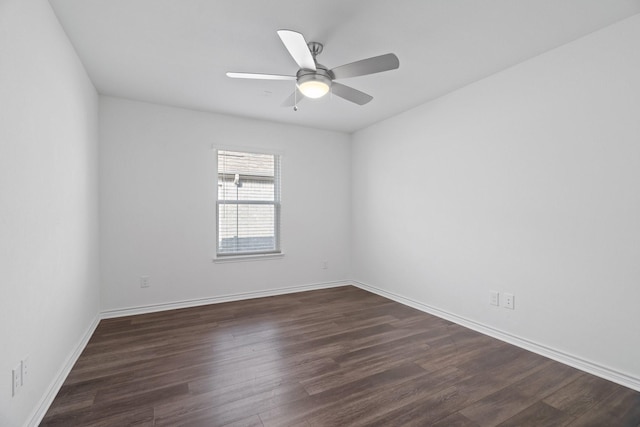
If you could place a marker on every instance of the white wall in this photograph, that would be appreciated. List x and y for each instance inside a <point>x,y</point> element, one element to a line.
<point>48,203</point>
<point>525,182</point>
<point>157,204</point>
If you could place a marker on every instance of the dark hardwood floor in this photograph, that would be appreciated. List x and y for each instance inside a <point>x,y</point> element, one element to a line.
<point>335,357</point>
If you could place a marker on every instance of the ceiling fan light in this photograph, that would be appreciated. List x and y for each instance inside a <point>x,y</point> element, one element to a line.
<point>314,85</point>
<point>314,89</point>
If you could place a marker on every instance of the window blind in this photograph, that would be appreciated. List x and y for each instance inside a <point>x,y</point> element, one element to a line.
<point>248,206</point>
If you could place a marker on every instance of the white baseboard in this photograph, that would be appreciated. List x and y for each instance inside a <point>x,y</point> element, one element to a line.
<point>61,376</point>
<point>557,355</point>
<point>152,308</point>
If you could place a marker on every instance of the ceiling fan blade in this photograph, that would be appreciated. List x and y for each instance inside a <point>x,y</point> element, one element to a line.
<point>298,49</point>
<point>350,94</point>
<point>363,67</point>
<point>293,99</point>
<point>259,76</point>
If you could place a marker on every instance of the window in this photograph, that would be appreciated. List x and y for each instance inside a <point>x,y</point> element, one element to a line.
<point>248,207</point>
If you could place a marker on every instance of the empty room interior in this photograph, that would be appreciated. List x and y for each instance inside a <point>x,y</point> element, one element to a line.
<point>337,213</point>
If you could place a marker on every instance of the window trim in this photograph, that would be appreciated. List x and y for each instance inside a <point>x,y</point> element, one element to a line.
<point>277,253</point>
<point>243,258</point>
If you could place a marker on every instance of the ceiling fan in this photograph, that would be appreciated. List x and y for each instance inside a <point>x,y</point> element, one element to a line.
<point>314,80</point>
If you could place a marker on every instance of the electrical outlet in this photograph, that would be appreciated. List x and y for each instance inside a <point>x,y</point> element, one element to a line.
<point>509,301</point>
<point>16,375</point>
<point>325,265</point>
<point>25,370</point>
<point>144,281</point>
<point>494,298</point>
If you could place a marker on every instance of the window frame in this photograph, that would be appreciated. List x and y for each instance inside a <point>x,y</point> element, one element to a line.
<point>276,203</point>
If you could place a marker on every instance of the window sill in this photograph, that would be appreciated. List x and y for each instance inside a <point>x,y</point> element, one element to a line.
<point>243,258</point>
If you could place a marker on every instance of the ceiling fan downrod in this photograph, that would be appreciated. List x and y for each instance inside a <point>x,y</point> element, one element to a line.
<point>315,48</point>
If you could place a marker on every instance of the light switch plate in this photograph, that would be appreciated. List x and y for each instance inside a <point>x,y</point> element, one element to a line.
<point>16,375</point>
<point>494,298</point>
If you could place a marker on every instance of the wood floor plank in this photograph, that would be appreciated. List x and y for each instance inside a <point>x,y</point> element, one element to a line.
<point>123,411</point>
<point>424,412</point>
<point>621,408</point>
<point>71,399</point>
<point>539,415</point>
<point>363,376</point>
<point>332,357</point>
<point>455,420</point>
<point>314,409</point>
<point>581,395</point>
<point>252,421</point>
<point>380,401</point>
<point>511,400</point>
<point>213,412</point>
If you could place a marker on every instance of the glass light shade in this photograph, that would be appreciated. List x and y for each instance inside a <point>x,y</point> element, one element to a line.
<point>314,88</point>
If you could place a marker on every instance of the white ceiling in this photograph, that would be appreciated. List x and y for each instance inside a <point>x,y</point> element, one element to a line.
<point>176,52</point>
